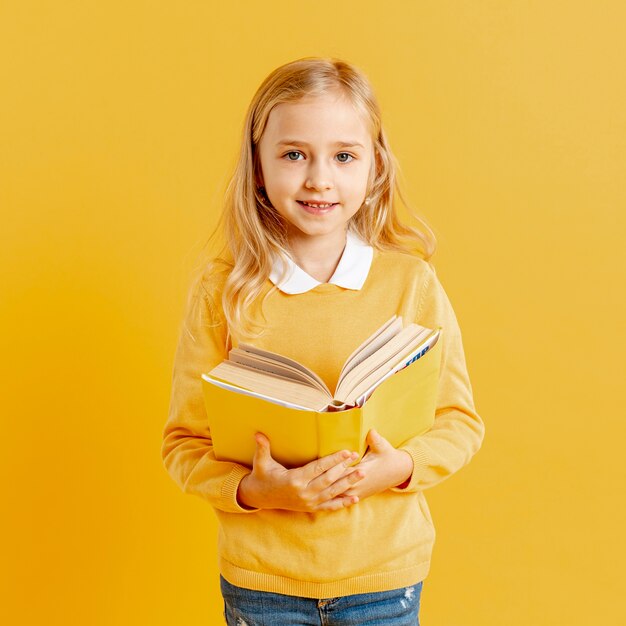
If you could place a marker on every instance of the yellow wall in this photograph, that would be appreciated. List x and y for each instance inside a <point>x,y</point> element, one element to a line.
<point>119,124</point>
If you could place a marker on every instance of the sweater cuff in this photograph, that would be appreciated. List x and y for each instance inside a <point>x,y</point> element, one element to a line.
<point>229,490</point>
<point>419,461</point>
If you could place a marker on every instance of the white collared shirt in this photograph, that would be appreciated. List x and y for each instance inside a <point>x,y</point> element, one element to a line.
<point>351,272</point>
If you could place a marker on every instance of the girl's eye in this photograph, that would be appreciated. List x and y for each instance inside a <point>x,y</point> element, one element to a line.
<point>340,154</point>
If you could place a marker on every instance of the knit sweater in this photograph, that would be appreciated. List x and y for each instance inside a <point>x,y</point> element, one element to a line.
<point>384,541</point>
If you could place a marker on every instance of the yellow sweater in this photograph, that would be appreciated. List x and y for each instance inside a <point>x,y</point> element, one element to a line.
<point>383,542</point>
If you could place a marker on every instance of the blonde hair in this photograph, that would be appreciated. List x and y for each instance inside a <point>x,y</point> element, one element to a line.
<point>254,231</point>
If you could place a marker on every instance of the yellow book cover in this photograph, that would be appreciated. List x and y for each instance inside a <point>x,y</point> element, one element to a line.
<point>400,405</point>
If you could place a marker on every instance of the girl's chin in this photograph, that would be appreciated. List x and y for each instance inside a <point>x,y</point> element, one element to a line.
<point>314,229</point>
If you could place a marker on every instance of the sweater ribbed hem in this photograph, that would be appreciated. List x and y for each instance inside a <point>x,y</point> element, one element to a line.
<point>370,583</point>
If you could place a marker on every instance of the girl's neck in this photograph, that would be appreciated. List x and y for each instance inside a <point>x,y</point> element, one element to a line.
<point>318,257</point>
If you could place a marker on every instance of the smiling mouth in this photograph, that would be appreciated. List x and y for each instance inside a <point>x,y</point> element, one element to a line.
<point>318,206</point>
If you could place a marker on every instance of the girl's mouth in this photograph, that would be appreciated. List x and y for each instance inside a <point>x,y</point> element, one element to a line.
<point>317,210</point>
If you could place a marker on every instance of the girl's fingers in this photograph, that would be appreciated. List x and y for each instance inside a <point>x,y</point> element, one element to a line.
<point>332,475</point>
<point>335,504</point>
<point>341,460</point>
<point>263,452</point>
<point>339,487</point>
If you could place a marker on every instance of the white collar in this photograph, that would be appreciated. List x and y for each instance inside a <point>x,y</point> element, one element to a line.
<point>351,272</point>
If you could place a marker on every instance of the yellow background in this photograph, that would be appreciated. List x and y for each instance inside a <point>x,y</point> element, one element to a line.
<point>119,125</point>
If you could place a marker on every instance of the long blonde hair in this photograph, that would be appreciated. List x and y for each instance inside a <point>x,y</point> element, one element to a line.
<point>253,230</point>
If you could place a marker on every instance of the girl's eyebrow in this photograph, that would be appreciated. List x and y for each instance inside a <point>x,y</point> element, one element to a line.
<point>341,144</point>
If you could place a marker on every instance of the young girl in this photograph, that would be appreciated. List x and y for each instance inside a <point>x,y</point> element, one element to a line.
<point>316,260</point>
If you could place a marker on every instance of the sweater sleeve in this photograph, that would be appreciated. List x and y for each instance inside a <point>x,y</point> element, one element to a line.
<point>458,430</point>
<point>187,447</point>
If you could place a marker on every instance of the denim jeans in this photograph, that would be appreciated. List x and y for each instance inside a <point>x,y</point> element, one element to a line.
<point>245,607</point>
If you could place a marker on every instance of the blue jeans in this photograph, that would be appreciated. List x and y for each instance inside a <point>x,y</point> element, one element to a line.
<point>245,607</point>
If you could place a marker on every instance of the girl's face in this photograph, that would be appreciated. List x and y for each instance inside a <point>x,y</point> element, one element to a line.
<point>317,150</point>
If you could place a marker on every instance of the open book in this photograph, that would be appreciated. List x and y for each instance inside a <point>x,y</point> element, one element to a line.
<point>257,390</point>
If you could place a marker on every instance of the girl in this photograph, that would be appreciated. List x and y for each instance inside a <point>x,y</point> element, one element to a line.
<point>316,259</point>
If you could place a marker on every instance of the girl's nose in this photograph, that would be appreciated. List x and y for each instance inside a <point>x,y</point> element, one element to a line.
<point>318,178</point>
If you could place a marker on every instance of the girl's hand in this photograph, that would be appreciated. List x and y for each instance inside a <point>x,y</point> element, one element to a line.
<point>383,467</point>
<point>316,486</point>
